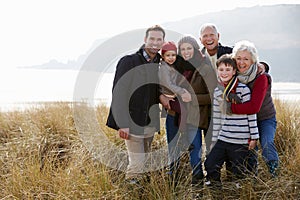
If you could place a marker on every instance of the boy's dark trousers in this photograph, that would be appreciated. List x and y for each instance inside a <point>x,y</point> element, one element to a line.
<point>221,152</point>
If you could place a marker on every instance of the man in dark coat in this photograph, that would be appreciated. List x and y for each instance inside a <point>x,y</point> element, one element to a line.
<point>134,110</point>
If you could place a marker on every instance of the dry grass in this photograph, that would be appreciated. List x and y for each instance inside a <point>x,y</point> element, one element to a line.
<point>43,156</point>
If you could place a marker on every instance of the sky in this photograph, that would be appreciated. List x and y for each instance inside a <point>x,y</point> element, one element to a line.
<point>36,31</point>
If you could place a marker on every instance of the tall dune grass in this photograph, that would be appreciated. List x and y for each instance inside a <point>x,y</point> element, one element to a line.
<point>42,156</point>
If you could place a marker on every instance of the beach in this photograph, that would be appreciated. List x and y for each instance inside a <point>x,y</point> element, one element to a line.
<point>20,88</point>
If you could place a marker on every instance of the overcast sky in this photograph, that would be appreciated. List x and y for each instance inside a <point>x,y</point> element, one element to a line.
<point>35,31</point>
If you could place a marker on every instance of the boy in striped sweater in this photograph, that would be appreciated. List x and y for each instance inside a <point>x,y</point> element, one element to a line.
<point>233,135</point>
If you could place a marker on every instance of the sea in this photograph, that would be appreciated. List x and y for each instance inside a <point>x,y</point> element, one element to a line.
<point>21,88</point>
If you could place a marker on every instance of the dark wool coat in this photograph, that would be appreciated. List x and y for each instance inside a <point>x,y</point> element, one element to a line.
<point>135,95</point>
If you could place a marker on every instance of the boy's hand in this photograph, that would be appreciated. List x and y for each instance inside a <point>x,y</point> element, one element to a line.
<point>233,98</point>
<point>252,144</point>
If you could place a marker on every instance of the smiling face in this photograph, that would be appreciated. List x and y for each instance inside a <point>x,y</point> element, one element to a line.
<point>243,60</point>
<point>187,50</point>
<point>210,39</point>
<point>169,57</point>
<point>154,42</point>
<point>225,72</point>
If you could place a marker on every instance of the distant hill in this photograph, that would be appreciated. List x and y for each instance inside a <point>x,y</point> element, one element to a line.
<point>274,30</point>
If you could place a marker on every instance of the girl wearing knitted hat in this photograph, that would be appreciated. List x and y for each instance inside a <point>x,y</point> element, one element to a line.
<point>168,75</point>
<point>170,80</point>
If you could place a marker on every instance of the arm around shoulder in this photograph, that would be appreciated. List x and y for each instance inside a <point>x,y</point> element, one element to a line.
<point>253,106</point>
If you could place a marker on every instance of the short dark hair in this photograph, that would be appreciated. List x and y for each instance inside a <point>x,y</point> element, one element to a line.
<point>227,60</point>
<point>155,28</point>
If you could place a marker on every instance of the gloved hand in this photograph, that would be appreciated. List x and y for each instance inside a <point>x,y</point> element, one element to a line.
<point>233,98</point>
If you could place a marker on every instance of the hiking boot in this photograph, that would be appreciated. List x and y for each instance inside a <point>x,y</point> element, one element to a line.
<point>198,179</point>
<point>273,168</point>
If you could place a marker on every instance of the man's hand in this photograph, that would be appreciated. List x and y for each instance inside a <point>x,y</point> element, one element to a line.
<point>124,133</point>
<point>165,101</point>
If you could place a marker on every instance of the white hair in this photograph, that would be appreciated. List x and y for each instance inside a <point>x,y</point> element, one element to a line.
<point>206,25</point>
<point>245,45</point>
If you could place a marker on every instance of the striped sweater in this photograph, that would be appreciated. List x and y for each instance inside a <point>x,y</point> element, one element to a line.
<point>234,128</point>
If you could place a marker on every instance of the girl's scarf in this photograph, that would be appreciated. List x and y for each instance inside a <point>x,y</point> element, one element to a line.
<point>248,75</point>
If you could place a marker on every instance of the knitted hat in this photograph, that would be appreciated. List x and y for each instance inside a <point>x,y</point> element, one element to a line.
<point>168,46</point>
<point>188,39</point>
